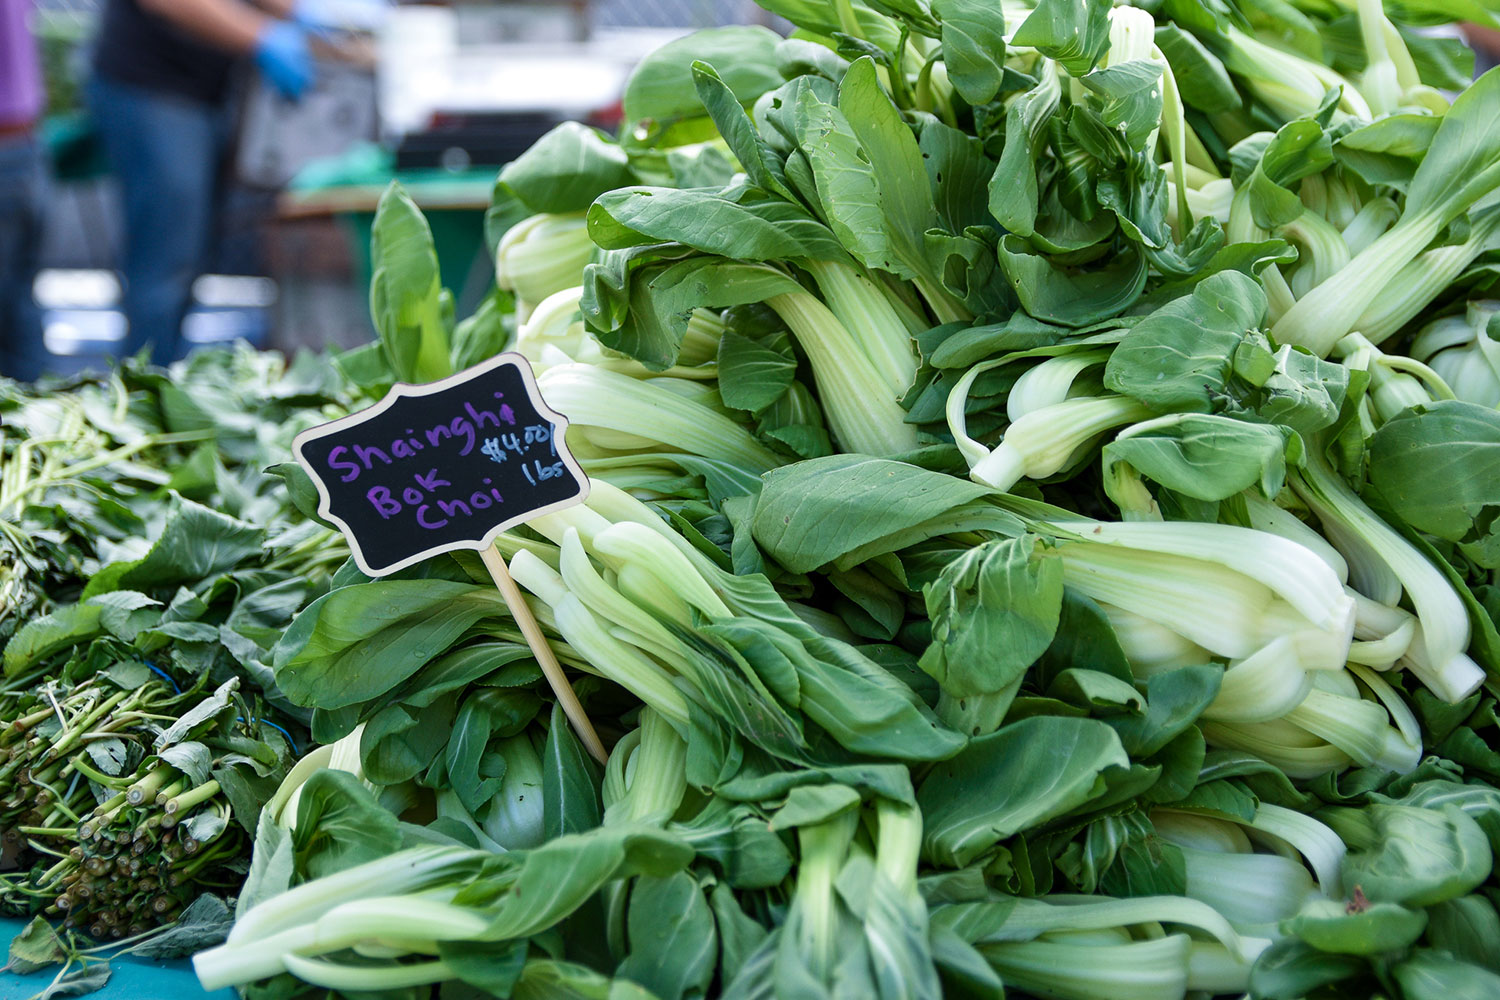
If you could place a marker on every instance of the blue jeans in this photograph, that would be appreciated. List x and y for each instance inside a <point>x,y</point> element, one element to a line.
<point>166,152</point>
<point>22,178</point>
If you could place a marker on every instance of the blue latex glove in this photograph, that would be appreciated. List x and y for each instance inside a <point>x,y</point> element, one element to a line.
<point>284,59</point>
<point>341,15</point>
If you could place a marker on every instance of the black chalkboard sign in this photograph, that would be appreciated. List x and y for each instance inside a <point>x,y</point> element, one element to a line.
<point>442,466</point>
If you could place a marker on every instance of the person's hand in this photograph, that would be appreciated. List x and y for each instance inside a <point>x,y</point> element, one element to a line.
<point>284,58</point>
<point>344,15</point>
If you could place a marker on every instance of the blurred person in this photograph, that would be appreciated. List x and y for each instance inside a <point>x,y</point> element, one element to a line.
<point>1486,45</point>
<point>21,181</point>
<point>160,98</point>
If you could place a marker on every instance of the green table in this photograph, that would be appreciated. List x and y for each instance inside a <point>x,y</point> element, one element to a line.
<point>130,979</point>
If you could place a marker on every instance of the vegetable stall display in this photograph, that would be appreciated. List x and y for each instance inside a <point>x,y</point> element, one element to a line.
<point>1041,535</point>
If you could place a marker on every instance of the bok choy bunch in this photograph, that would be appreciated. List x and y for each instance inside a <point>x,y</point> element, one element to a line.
<point>1033,545</point>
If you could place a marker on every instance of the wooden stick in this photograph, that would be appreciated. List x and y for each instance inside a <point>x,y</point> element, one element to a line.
<point>495,563</point>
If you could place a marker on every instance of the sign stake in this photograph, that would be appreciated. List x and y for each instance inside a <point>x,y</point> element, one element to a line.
<point>495,563</point>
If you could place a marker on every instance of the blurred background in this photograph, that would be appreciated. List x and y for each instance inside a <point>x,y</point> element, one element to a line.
<point>272,128</point>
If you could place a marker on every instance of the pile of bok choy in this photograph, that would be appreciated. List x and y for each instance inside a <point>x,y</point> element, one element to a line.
<point>1042,542</point>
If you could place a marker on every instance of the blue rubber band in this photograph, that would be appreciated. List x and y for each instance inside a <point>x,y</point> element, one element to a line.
<point>164,676</point>
<point>290,742</point>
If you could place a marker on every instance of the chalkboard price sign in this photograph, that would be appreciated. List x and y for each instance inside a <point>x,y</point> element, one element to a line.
<point>442,466</point>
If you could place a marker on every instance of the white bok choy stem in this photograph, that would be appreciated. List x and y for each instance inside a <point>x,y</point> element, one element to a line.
<point>1444,621</point>
<point>1462,166</point>
<point>1050,382</point>
<point>868,315</point>
<point>1313,839</point>
<point>650,780</point>
<point>361,978</point>
<point>407,924</point>
<point>1375,620</point>
<point>864,413</point>
<point>1042,441</point>
<point>620,662</point>
<point>1123,484</point>
<point>581,609</point>
<point>1150,647</point>
<point>1373,218</point>
<point>1401,714</point>
<point>1397,382</point>
<point>1206,833</point>
<point>1322,250</point>
<point>1288,833</point>
<point>814,914</point>
<point>1266,515</point>
<point>1378,83</point>
<point>550,332</point>
<point>1264,685</point>
<point>542,255</point>
<point>1333,724</point>
<point>1086,946</point>
<point>555,334</point>
<point>1292,570</point>
<point>1252,891</point>
<point>1384,652</point>
<point>1290,748</point>
<point>599,400</point>
<point>1227,589</point>
<point>630,543</point>
<point>1221,611</point>
<point>1463,354</point>
<point>1292,86</point>
<point>1424,279</point>
<point>260,937</point>
<point>1066,912</point>
<point>1130,970</point>
<point>1358,727</point>
<point>611,604</point>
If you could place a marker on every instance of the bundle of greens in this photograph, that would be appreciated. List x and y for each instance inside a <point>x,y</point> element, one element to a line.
<point>120,866</point>
<point>88,469</point>
<point>153,564</point>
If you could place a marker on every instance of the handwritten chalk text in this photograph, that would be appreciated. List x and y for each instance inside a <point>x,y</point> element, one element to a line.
<point>352,460</point>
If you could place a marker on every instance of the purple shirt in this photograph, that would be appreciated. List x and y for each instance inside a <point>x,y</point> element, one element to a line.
<point>20,72</point>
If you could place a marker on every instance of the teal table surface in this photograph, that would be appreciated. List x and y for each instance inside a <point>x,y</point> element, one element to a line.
<point>132,979</point>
